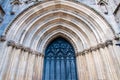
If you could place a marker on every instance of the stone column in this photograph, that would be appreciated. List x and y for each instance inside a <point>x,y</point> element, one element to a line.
<point>22,64</point>
<point>78,65</point>
<point>30,65</point>
<point>2,46</point>
<point>37,67</point>
<point>5,59</point>
<point>36,72</point>
<point>85,74</point>
<point>90,65</point>
<point>111,75</point>
<point>41,64</point>
<point>13,63</point>
<point>114,56</point>
<point>99,65</point>
<point>111,65</point>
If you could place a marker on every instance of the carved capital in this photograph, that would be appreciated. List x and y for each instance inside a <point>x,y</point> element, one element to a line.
<point>42,55</point>
<point>93,48</point>
<point>2,38</point>
<point>86,51</point>
<point>108,42</point>
<point>31,51</point>
<point>36,53</point>
<point>11,43</point>
<point>26,49</point>
<point>19,46</point>
<point>101,45</point>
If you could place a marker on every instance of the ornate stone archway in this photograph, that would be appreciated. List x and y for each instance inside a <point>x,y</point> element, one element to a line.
<point>88,32</point>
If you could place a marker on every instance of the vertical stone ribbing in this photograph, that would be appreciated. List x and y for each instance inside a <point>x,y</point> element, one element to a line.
<point>4,62</point>
<point>22,66</point>
<point>41,69</point>
<point>85,74</point>
<point>115,60</point>
<point>111,75</point>
<point>99,65</point>
<point>13,64</point>
<point>91,67</point>
<point>78,66</point>
<point>111,65</point>
<point>36,68</point>
<point>30,65</point>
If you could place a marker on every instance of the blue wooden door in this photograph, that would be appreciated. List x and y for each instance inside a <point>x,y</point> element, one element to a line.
<point>59,62</point>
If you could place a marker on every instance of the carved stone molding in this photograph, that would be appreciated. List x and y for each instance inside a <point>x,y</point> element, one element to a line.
<point>19,46</point>
<point>26,49</point>
<point>109,42</point>
<point>11,43</point>
<point>2,38</point>
<point>93,49</point>
<point>86,51</point>
<point>23,48</point>
<point>16,2</point>
<point>100,45</point>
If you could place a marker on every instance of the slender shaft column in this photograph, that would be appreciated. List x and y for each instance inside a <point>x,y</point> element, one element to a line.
<point>111,75</point>
<point>115,58</point>
<point>36,71</point>
<point>91,66</point>
<point>116,50</point>
<point>41,64</point>
<point>78,66</point>
<point>111,64</point>
<point>99,65</point>
<point>85,75</point>
<point>22,65</point>
<point>29,69</point>
<point>4,62</point>
<point>13,63</point>
<point>38,67</point>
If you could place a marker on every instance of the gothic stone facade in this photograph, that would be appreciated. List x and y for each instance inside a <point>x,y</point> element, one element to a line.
<point>28,26</point>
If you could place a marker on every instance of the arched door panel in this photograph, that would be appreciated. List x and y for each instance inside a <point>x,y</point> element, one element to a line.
<point>59,62</point>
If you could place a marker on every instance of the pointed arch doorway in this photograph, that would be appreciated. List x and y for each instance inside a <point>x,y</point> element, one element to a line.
<point>59,61</point>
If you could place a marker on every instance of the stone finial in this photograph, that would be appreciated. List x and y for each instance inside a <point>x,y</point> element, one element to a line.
<point>11,43</point>
<point>2,38</point>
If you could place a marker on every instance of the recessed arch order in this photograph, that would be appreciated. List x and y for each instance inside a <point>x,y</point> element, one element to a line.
<point>37,25</point>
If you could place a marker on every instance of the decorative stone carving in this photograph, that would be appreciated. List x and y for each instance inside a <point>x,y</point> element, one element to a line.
<point>101,45</point>
<point>16,2</point>
<point>2,38</point>
<point>26,49</point>
<point>109,42</point>
<point>30,1</point>
<point>103,6</point>
<point>93,48</point>
<point>85,51</point>
<point>19,46</point>
<point>11,43</point>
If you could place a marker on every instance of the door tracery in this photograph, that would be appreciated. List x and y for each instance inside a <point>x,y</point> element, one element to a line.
<point>59,62</point>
